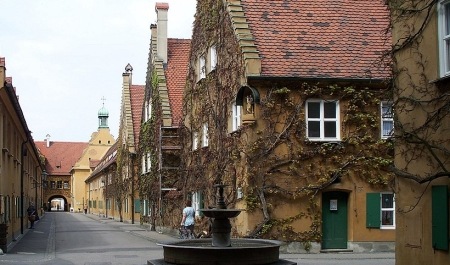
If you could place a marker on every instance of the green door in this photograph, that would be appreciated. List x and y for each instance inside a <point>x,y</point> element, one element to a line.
<point>334,220</point>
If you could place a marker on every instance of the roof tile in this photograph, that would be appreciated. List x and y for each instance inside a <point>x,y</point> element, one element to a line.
<point>176,74</point>
<point>321,38</point>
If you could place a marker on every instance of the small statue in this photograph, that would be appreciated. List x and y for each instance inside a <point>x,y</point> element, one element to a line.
<point>249,104</point>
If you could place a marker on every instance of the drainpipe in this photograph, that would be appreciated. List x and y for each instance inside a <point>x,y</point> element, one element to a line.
<point>132,155</point>
<point>22,155</point>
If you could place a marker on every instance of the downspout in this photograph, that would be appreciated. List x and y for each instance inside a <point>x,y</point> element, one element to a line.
<point>22,155</point>
<point>132,155</point>
<point>160,177</point>
<point>106,194</point>
<point>35,188</point>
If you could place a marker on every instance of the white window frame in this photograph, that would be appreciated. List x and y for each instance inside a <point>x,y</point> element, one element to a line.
<point>212,57</point>
<point>201,67</point>
<point>390,209</point>
<point>147,110</point>
<point>205,138</point>
<point>444,37</point>
<point>143,164</point>
<point>235,116</point>
<point>195,141</point>
<point>386,118</point>
<point>322,120</point>
<point>196,202</point>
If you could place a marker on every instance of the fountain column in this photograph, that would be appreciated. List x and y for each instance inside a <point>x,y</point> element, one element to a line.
<point>221,227</point>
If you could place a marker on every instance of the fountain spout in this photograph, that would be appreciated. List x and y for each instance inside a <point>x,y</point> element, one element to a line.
<point>221,227</point>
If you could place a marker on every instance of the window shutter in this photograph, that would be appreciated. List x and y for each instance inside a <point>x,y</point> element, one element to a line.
<point>137,205</point>
<point>439,217</point>
<point>373,210</point>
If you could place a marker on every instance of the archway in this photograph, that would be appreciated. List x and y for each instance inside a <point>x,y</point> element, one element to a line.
<point>57,203</point>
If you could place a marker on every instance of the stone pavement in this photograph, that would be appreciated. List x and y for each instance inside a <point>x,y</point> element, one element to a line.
<point>143,231</point>
<point>166,236</point>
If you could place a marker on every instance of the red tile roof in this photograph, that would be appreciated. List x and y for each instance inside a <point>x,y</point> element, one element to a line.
<point>61,156</point>
<point>137,93</point>
<point>321,38</point>
<point>176,73</point>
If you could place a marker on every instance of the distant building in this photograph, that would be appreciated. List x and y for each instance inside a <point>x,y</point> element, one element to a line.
<point>69,164</point>
<point>160,153</point>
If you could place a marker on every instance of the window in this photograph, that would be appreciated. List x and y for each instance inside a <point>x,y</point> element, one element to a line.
<point>387,120</point>
<point>52,185</point>
<point>387,210</point>
<point>444,37</point>
<point>66,185</point>
<point>147,111</point>
<point>236,116</point>
<point>322,120</point>
<point>213,57</point>
<point>380,210</point>
<point>59,185</point>
<point>197,203</point>
<point>202,67</point>
<point>146,163</point>
<point>205,135</point>
<point>195,141</point>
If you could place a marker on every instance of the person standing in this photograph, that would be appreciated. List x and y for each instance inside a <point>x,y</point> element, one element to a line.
<point>31,211</point>
<point>188,219</point>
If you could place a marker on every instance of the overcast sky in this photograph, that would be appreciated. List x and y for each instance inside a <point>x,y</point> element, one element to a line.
<point>65,55</point>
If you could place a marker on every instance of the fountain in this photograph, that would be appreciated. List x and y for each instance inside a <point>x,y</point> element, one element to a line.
<point>221,249</point>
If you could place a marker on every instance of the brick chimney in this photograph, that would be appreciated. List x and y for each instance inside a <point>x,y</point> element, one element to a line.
<point>161,20</point>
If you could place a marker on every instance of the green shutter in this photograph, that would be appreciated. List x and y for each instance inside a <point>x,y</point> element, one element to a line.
<point>373,210</point>
<point>439,217</point>
<point>137,205</point>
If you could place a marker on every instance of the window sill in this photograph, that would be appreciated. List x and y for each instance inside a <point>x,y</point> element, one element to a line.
<point>387,227</point>
<point>440,79</point>
<point>324,140</point>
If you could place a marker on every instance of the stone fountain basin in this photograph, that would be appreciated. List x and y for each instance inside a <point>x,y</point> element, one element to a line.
<point>221,213</point>
<point>242,252</point>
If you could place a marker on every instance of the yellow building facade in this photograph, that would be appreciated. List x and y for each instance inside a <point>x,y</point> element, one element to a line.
<point>422,78</point>
<point>21,170</point>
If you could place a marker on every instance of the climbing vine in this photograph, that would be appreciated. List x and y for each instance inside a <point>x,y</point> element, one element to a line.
<point>271,159</point>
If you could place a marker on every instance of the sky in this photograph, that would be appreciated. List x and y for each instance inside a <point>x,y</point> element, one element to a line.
<point>64,56</point>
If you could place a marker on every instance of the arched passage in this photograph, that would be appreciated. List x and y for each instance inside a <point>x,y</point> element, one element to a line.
<point>57,203</point>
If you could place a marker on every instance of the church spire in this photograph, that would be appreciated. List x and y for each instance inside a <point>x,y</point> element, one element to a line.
<point>103,115</point>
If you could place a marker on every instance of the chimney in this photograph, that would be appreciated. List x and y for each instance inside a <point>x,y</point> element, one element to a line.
<point>161,20</point>
<point>47,139</point>
<point>127,75</point>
